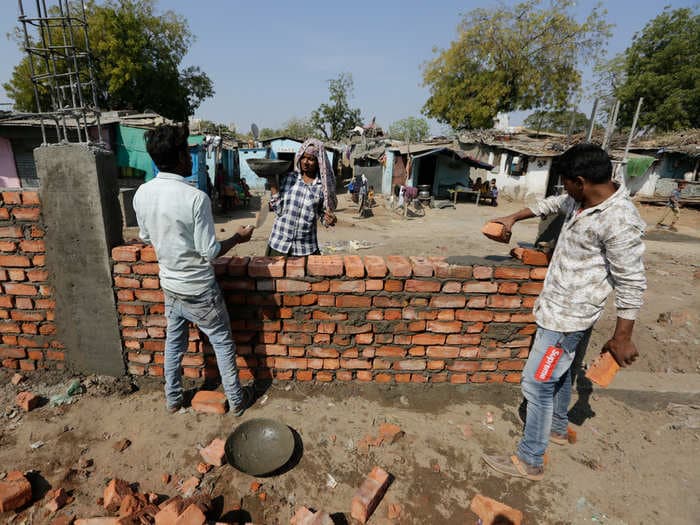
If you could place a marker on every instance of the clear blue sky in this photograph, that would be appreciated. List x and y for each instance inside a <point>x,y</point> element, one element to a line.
<point>270,61</point>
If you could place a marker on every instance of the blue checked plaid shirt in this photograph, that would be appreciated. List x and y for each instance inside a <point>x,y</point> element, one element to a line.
<point>298,207</point>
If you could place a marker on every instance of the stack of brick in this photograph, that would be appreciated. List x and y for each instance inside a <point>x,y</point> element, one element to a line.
<point>328,318</point>
<point>27,304</point>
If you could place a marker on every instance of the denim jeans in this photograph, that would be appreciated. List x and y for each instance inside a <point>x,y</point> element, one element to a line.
<point>208,311</point>
<point>548,399</point>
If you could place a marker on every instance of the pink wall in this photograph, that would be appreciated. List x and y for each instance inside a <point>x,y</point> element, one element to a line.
<point>8,172</point>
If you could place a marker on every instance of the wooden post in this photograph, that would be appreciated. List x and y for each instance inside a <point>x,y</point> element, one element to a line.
<point>634,125</point>
<point>591,123</point>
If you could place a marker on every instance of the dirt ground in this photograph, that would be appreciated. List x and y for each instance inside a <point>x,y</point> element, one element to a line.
<point>635,460</point>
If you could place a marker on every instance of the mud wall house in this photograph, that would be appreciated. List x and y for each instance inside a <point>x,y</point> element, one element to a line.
<point>654,174</point>
<point>520,161</point>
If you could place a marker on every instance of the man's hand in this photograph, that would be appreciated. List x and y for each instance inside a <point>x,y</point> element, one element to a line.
<point>329,219</point>
<point>623,350</point>
<point>244,233</point>
<point>508,222</point>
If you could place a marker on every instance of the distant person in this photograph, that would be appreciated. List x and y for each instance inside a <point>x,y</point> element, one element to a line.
<point>673,205</point>
<point>493,193</point>
<point>599,250</point>
<point>177,220</point>
<point>370,197</point>
<point>477,184</point>
<point>305,196</point>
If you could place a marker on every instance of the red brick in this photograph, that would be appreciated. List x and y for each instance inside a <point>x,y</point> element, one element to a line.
<point>496,353</point>
<point>458,378</point>
<point>11,231</point>
<point>150,296</point>
<point>409,364</point>
<point>39,260</point>
<point>393,285</point>
<point>12,197</point>
<point>25,315</point>
<point>126,282</point>
<point>398,266</point>
<point>291,363</point>
<point>428,339</point>
<point>16,275</point>
<point>266,267</point>
<point>463,339</point>
<point>535,258</point>
<point>491,511</point>
<point>443,352</point>
<point>464,366</point>
<point>391,351</point>
<point>148,254</point>
<point>355,364</point>
<point>370,493</point>
<point>54,355</point>
<point>125,295</point>
<point>27,365</point>
<point>441,301</point>
<point>414,285</point>
<point>354,268</point>
<point>32,246</point>
<point>14,261</point>
<point>496,232</point>
<point>20,289</point>
<point>511,365</point>
<point>8,246</point>
<point>213,453</point>
<point>374,285</point>
<point>238,266</point>
<point>325,265</point>
<point>9,328</point>
<point>480,287</point>
<point>452,287</point>
<point>531,288</point>
<point>15,491</point>
<point>7,301</point>
<point>27,401</point>
<point>209,401</point>
<point>353,301</point>
<point>513,378</point>
<point>37,275</point>
<point>421,266</point>
<point>30,198</point>
<point>444,327</point>
<point>508,288</point>
<point>324,376</point>
<point>128,253</point>
<point>512,272</point>
<point>538,274</point>
<point>36,232</point>
<point>602,369</point>
<point>354,286</point>
<point>10,363</point>
<point>375,266</point>
<point>529,302</point>
<point>475,328</point>
<point>146,269</point>
<point>503,301</point>
<point>4,214</point>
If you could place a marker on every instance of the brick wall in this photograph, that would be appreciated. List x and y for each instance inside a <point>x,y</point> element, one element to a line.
<point>26,299</point>
<point>326,318</point>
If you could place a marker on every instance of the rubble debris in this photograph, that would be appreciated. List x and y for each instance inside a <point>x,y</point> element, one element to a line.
<point>304,516</point>
<point>491,511</point>
<point>121,445</point>
<point>255,486</point>
<point>57,499</point>
<point>603,369</point>
<point>203,468</point>
<point>394,511</point>
<point>188,486</point>
<point>115,491</point>
<point>15,491</point>
<point>165,478</point>
<point>62,519</point>
<point>85,463</point>
<point>214,452</point>
<point>390,432</point>
<point>17,379</point>
<point>370,493</point>
<point>192,515</point>
<point>209,402</point>
<point>27,401</point>
<point>169,511</point>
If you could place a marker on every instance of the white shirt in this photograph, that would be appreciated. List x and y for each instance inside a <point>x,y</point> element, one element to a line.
<point>177,220</point>
<point>599,249</point>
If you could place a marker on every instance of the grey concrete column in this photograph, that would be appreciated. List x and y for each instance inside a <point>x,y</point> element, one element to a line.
<point>80,205</point>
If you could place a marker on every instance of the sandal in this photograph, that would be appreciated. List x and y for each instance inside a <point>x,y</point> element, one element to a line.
<point>559,439</point>
<point>513,466</point>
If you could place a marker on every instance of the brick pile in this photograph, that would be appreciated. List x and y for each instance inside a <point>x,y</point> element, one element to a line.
<point>27,303</point>
<point>343,318</point>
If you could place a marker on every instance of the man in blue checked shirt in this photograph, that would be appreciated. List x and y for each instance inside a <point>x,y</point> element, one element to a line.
<point>305,196</point>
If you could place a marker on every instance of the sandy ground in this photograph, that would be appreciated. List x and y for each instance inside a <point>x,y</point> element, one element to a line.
<point>636,459</point>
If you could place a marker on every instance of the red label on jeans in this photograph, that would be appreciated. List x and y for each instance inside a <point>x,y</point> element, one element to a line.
<point>549,361</point>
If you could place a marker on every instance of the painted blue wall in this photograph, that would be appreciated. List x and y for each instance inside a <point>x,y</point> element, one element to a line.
<point>388,172</point>
<point>253,181</point>
<point>284,146</point>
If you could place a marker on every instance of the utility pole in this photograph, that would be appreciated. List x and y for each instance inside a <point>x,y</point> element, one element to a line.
<point>634,125</point>
<point>591,122</point>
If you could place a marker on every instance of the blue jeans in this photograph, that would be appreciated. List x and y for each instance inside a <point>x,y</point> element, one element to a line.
<point>548,399</point>
<point>208,311</point>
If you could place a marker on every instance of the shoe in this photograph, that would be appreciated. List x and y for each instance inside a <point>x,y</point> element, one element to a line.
<point>245,403</point>
<point>513,466</point>
<point>559,439</point>
<point>173,409</point>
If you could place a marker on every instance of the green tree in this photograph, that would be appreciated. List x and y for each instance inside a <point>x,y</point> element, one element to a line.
<point>337,119</point>
<point>413,128</point>
<point>137,53</point>
<point>298,128</point>
<point>663,66</point>
<point>511,58</point>
<point>562,121</point>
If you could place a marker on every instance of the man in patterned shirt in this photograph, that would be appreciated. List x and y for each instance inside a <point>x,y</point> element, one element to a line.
<point>599,250</point>
<point>305,196</point>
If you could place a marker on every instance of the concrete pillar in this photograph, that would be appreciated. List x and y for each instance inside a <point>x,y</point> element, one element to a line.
<point>80,205</point>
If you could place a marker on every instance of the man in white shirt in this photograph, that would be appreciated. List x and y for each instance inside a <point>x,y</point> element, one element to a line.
<point>177,220</point>
<point>599,250</point>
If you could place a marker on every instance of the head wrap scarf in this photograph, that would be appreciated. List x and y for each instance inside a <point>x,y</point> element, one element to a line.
<point>315,147</point>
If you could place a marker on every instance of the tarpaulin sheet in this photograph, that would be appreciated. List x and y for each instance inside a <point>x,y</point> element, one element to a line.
<point>131,150</point>
<point>638,166</point>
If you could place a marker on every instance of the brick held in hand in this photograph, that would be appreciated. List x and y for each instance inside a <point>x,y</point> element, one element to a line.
<point>491,511</point>
<point>496,231</point>
<point>602,370</point>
